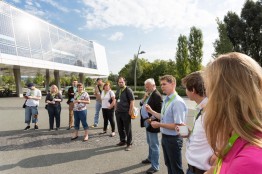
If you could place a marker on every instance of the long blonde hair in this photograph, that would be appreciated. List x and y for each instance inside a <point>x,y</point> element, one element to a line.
<point>233,84</point>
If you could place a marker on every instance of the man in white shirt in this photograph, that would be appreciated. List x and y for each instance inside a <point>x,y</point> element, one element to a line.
<point>33,95</point>
<point>199,154</point>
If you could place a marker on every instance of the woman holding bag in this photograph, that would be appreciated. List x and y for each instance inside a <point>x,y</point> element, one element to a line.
<point>53,100</point>
<point>108,103</point>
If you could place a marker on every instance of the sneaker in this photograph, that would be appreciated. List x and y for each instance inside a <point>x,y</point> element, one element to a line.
<point>128,148</point>
<point>51,129</point>
<point>121,143</point>
<point>27,127</point>
<point>146,161</point>
<point>36,127</point>
<point>151,170</point>
<point>57,128</point>
<point>113,134</point>
<point>94,125</point>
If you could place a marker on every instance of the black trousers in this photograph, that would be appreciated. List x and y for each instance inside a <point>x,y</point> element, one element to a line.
<point>108,114</point>
<point>172,146</point>
<point>54,112</point>
<point>123,120</point>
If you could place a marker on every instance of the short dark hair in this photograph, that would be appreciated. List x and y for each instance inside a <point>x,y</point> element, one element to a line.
<point>195,81</point>
<point>98,79</point>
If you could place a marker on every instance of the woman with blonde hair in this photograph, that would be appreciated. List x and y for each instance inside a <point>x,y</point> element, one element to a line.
<point>233,120</point>
<point>53,100</point>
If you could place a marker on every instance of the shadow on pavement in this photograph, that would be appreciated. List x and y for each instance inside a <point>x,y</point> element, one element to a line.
<point>59,158</point>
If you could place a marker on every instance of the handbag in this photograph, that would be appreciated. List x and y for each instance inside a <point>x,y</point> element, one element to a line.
<point>135,113</point>
<point>46,106</point>
<point>110,100</point>
<point>24,105</point>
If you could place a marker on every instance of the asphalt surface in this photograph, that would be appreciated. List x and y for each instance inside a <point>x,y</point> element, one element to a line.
<point>52,152</point>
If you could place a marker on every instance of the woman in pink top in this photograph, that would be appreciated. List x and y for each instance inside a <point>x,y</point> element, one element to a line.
<point>233,115</point>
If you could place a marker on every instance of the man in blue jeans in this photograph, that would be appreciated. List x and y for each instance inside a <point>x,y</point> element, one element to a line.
<point>97,92</point>
<point>154,99</point>
<point>173,114</point>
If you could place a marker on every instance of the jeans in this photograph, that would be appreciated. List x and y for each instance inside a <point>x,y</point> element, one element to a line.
<point>172,146</point>
<point>153,143</point>
<point>108,115</point>
<point>123,120</point>
<point>31,112</point>
<point>54,113</point>
<point>98,108</point>
<point>80,116</point>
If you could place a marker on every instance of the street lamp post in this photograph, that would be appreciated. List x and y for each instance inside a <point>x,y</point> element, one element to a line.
<point>138,52</point>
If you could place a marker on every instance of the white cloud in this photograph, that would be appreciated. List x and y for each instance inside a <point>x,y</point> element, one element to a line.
<point>116,36</point>
<point>16,1</point>
<point>56,5</point>
<point>145,14</point>
<point>35,11</point>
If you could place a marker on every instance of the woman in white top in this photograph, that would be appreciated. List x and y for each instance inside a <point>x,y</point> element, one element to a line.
<point>108,103</point>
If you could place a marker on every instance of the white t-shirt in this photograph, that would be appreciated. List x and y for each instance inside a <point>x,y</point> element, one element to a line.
<point>35,93</point>
<point>105,97</point>
<point>198,151</point>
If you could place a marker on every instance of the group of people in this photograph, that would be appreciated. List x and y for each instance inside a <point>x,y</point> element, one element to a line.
<point>226,136</point>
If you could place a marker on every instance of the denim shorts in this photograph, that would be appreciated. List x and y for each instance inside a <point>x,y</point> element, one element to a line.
<point>31,112</point>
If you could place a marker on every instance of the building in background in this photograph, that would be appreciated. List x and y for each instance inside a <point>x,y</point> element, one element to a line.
<point>29,45</point>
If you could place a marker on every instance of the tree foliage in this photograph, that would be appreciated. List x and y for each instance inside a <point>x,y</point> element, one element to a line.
<point>245,32</point>
<point>222,44</point>
<point>182,58</point>
<point>39,79</point>
<point>195,45</point>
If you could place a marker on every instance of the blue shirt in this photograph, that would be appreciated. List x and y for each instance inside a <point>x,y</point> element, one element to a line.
<point>144,113</point>
<point>175,112</point>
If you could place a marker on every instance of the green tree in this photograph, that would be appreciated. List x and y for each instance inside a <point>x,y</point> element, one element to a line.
<point>195,45</point>
<point>112,78</point>
<point>89,82</point>
<point>8,80</point>
<point>222,44</point>
<point>29,79</point>
<point>39,79</point>
<point>181,58</point>
<point>245,32</point>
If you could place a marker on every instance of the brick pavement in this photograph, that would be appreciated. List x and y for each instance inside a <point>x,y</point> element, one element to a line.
<point>42,151</point>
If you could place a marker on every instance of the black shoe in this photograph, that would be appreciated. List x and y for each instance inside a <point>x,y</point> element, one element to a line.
<point>27,127</point>
<point>68,128</point>
<point>104,132</point>
<point>146,161</point>
<point>74,138</point>
<point>121,143</point>
<point>151,170</point>
<point>36,127</point>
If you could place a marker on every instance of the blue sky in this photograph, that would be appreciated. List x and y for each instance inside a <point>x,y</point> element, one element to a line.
<point>122,25</point>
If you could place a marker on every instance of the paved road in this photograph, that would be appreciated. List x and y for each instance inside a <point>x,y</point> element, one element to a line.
<point>45,152</point>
